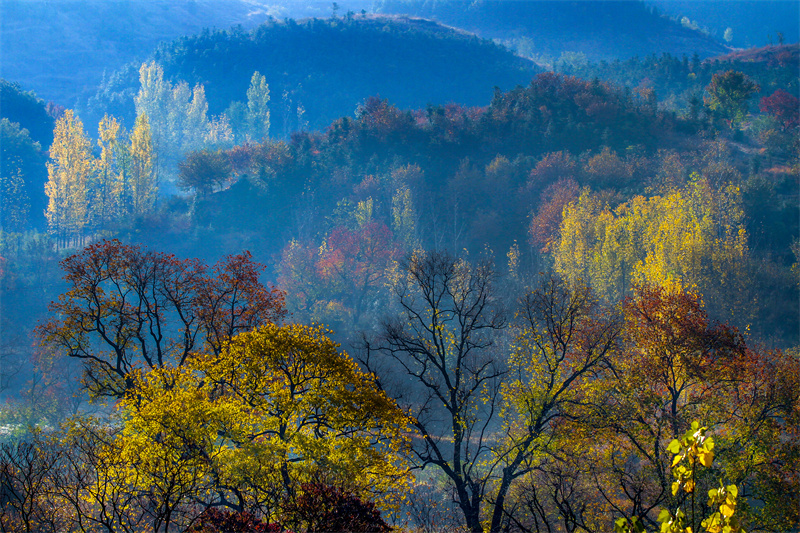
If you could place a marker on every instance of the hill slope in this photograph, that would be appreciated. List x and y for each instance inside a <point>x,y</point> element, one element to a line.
<point>545,29</point>
<point>326,68</point>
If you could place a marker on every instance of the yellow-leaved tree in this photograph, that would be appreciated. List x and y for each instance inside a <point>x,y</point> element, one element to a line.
<point>692,237</point>
<point>277,407</point>
<point>68,173</point>
<point>109,173</point>
<point>142,186</point>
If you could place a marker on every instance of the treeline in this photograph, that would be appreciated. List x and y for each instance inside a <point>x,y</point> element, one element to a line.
<point>319,70</point>
<point>679,81</point>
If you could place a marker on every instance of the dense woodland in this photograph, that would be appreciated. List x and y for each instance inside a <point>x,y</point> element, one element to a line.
<point>246,290</point>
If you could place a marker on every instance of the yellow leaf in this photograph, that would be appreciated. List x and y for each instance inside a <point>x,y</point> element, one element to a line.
<point>706,458</point>
<point>726,510</point>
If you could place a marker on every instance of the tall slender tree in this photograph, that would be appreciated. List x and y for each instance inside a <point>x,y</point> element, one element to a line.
<point>143,176</point>
<point>258,107</point>
<point>68,172</point>
<point>107,180</point>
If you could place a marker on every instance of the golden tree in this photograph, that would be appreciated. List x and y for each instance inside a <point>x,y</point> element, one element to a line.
<point>68,174</point>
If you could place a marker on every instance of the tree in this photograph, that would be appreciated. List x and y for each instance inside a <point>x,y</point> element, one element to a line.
<point>564,340</point>
<point>728,95</point>
<point>546,221</point>
<point>343,278</point>
<point>142,185</point>
<point>178,115</point>
<point>783,106</point>
<point>689,237</point>
<point>678,366</point>
<point>129,310</point>
<point>68,176</point>
<point>203,171</point>
<point>321,508</point>
<point>22,198</point>
<point>443,340</point>
<point>108,180</point>
<point>276,407</point>
<point>258,108</point>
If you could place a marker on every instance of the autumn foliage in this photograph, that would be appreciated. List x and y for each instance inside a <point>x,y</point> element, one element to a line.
<point>129,310</point>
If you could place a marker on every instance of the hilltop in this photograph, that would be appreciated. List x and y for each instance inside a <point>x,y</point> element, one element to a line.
<point>321,69</point>
<point>545,30</point>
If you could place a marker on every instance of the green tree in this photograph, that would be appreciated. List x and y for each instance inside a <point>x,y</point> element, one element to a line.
<point>729,94</point>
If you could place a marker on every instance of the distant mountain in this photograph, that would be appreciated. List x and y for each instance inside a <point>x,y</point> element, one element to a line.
<point>546,29</point>
<point>322,69</point>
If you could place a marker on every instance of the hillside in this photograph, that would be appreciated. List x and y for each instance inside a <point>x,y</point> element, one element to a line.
<point>319,70</point>
<point>752,22</point>
<point>547,29</point>
<point>62,50</point>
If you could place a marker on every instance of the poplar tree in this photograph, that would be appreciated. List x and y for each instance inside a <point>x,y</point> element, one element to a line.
<point>258,107</point>
<point>142,185</point>
<point>68,173</point>
<point>107,182</point>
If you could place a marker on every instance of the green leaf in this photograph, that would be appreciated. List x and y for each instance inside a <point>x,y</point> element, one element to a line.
<point>665,515</point>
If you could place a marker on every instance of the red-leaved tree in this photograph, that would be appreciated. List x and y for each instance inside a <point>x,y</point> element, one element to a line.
<point>129,309</point>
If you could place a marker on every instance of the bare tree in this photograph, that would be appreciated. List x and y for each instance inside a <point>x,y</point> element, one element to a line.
<point>444,340</point>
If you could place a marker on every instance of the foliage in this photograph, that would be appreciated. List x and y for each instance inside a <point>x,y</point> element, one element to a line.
<point>728,95</point>
<point>693,448</point>
<point>342,279</point>
<point>28,111</point>
<point>129,310</point>
<point>203,171</point>
<point>321,508</point>
<point>214,520</point>
<point>178,116</point>
<point>690,237</point>
<point>783,106</point>
<point>563,341</point>
<point>258,108</point>
<point>277,407</point>
<point>68,174</point>
<point>142,184</point>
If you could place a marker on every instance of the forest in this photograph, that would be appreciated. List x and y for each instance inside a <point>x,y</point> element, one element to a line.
<point>373,272</point>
